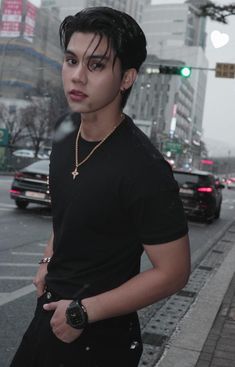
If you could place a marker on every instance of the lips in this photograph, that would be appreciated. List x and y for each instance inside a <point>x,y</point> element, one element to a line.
<point>77,95</point>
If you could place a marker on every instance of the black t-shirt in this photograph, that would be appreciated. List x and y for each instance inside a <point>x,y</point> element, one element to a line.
<point>124,196</point>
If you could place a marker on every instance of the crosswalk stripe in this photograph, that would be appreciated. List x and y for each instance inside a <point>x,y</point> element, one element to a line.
<point>20,277</point>
<point>19,264</point>
<point>27,253</point>
<point>9,297</point>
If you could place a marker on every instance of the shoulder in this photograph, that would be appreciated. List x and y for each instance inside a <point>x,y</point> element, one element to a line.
<point>138,142</point>
<point>145,161</point>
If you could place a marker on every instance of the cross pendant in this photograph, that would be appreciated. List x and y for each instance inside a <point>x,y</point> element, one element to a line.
<point>75,173</point>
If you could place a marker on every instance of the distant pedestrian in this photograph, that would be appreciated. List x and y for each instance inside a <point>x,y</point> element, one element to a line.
<point>113,197</point>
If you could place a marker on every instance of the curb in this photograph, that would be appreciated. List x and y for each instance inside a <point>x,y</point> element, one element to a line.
<point>186,343</point>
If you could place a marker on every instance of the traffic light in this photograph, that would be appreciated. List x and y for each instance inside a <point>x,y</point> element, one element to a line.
<point>184,71</point>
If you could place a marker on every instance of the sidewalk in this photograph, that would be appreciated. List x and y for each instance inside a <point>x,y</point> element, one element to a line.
<point>219,348</point>
<point>206,335</point>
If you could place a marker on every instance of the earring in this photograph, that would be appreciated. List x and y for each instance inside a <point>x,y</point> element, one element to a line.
<point>122,91</point>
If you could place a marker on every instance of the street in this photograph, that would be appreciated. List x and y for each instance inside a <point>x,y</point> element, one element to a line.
<point>23,238</point>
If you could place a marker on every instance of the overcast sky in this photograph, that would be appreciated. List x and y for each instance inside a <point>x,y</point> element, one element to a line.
<point>219,114</point>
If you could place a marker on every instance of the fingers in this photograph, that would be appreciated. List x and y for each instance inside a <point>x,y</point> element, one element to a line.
<point>50,306</point>
<point>40,289</point>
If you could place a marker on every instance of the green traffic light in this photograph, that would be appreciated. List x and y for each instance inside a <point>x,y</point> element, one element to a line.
<point>185,72</point>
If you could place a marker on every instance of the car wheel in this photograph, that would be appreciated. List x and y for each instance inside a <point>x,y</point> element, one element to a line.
<point>21,204</point>
<point>217,213</point>
<point>208,218</point>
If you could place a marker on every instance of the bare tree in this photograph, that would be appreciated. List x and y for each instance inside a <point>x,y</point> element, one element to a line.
<point>39,117</point>
<point>58,104</point>
<point>36,120</point>
<point>219,13</point>
<point>13,122</point>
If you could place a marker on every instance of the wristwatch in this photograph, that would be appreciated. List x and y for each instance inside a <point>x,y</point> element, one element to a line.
<point>76,315</point>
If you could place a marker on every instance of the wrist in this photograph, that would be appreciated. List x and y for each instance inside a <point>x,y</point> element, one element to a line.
<point>76,315</point>
<point>45,260</point>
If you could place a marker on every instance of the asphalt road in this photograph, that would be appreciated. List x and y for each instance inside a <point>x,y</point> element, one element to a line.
<point>23,235</point>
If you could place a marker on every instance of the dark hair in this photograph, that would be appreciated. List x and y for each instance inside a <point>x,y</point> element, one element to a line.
<point>123,33</point>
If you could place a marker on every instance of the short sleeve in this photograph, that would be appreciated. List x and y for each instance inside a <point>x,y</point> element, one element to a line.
<point>154,206</point>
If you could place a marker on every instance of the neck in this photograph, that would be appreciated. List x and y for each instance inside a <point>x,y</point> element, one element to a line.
<point>96,128</point>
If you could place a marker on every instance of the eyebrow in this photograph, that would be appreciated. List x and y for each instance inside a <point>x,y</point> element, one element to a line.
<point>89,57</point>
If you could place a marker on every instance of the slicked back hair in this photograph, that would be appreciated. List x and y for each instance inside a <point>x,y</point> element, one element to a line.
<point>123,34</point>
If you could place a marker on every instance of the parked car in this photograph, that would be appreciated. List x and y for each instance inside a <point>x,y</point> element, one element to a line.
<point>28,153</point>
<point>201,194</point>
<point>231,183</point>
<point>31,185</point>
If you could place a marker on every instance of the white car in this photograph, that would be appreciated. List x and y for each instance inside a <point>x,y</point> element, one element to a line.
<point>231,183</point>
<point>27,153</point>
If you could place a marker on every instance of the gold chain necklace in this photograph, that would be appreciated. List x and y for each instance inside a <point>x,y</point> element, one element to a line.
<point>75,173</point>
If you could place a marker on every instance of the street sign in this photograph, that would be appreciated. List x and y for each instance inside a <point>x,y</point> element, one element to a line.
<point>173,147</point>
<point>224,70</point>
<point>4,137</point>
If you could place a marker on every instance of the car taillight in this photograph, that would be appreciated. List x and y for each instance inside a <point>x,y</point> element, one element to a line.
<point>15,192</point>
<point>18,174</point>
<point>204,189</point>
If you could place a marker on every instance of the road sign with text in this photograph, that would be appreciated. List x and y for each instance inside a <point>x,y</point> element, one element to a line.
<point>224,70</point>
<point>173,147</point>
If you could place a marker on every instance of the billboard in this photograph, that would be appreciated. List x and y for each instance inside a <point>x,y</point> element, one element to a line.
<point>11,18</point>
<point>30,20</point>
<point>11,24</point>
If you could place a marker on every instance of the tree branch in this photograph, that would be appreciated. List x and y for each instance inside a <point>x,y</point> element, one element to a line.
<point>217,12</point>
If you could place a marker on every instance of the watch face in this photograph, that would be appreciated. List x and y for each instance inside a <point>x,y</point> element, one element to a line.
<point>76,315</point>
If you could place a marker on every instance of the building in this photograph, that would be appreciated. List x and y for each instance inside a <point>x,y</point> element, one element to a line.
<point>65,8</point>
<point>30,55</point>
<point>161,100</point>
<point>175,32</point>
<point>133,7</point>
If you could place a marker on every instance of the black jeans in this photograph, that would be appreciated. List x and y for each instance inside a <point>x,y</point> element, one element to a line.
<point>113,342</point>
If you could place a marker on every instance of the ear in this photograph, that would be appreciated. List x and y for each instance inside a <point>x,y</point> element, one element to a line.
<point>128,78</point>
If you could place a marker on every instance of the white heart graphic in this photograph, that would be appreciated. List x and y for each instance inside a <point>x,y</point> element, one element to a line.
<point>219,39</point>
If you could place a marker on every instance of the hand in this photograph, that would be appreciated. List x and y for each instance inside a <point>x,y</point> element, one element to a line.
<point>39,279</point>
<point>60,328</point>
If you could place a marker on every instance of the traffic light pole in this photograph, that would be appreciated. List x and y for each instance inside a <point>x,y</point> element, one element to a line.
<point>222,70</point>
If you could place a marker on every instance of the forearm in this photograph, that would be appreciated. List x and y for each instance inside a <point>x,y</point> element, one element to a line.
<point>39,279</point>
<point>48,252</point>
<point>144,289</point>
<point>170,272</point>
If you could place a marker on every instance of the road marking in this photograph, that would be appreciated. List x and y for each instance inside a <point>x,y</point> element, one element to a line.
<point>12,296</point>
<point>5,205</point>
<point>9,277</point>
<point>27,253</point>
<point>42,244</point>
<point>19,265</point>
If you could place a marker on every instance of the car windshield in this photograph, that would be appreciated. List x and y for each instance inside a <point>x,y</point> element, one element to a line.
<point>187,178</point>
<point>40,165</point>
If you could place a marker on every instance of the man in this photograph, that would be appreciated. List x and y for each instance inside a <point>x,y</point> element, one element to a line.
<point>113,197</point>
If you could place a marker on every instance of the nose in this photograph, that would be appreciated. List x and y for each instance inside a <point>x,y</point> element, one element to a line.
<point>80,74</point>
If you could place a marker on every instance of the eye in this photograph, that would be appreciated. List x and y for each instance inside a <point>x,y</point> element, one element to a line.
<point>95,66</point>
<point>70,61</point>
